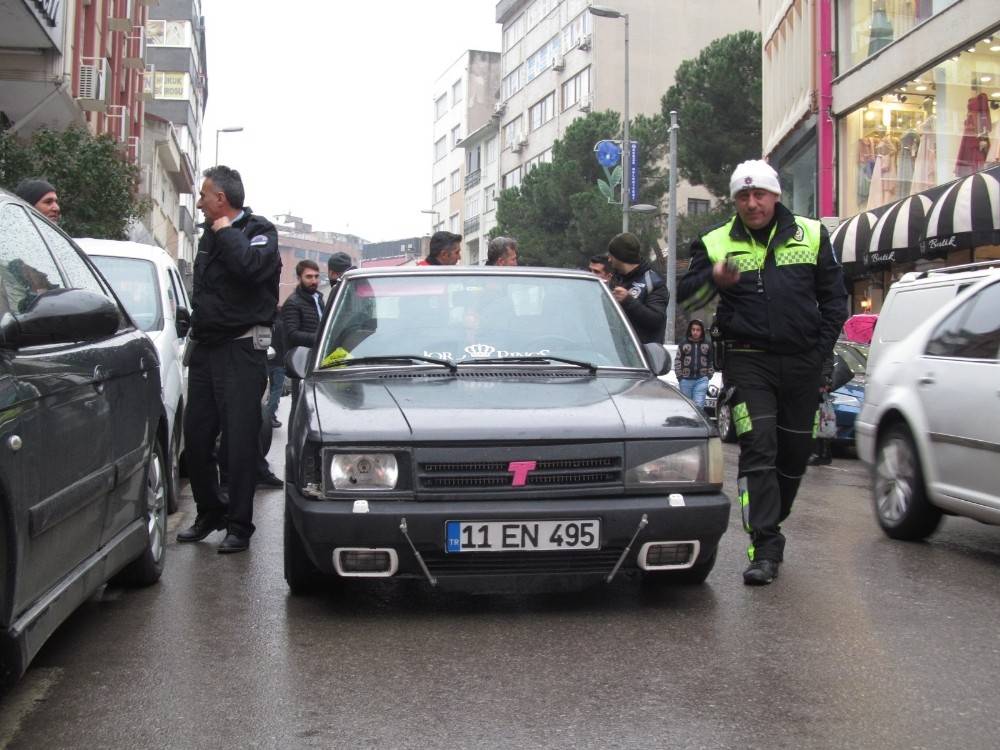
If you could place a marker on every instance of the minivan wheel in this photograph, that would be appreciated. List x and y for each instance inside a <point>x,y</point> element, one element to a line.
<point>724,421</point>
<point>148,567</point>
<point>900,497</point>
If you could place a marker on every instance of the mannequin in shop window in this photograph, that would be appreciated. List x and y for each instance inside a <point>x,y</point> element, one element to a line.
<point>925,162</point>
<point>884,170</point>
<point>880,34</point>
<point>975,142</point>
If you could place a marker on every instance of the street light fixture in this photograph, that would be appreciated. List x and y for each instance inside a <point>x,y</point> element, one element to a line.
<point>605,12</point>
<point>233,129</point>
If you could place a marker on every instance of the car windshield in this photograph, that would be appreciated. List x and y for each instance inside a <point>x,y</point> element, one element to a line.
<point>134,281</point>
<point>469,318</point>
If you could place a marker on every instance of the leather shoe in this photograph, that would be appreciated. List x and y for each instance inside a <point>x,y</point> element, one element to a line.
<point>269,480</point>
<point>760,572</point>
<point>275,423</point>
<point>202,527</point>
<point>234,543</point>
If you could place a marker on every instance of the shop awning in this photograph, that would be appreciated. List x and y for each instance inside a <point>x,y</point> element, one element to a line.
<point>851,239</point>
<point>896,236</point>
<point>966,214</point>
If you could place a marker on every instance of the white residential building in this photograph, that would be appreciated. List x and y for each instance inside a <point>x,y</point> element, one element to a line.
<point>560,62</point>
<point>463,102</point>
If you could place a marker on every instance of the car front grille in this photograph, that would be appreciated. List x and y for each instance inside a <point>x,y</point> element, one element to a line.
<point>497,474</point>
<point>521,563</point>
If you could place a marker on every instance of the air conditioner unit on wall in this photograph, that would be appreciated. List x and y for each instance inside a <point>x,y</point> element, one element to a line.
<point>518,147</point>
<point>499,108</point>
<point>585,104</point>
<point>92,90</point>
<point>584,42</point>
<point>558,63</point>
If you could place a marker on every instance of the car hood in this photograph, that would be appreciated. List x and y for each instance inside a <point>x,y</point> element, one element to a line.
<point>476,406</point>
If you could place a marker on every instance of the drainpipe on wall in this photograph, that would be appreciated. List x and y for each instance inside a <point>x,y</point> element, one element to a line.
<point>826,137</point>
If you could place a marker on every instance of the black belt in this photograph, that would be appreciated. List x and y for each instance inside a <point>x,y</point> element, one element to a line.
<point>744,345</point>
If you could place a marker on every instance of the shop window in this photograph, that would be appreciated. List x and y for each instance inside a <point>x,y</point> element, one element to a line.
<point>868,26</point>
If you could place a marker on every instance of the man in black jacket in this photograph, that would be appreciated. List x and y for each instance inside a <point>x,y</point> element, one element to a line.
<point>236,274</point>
<point>638,288</point>
<point>782,304</point>
<point>301,313</point>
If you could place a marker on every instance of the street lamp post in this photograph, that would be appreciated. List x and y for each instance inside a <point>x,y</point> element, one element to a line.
<point>672,234</point>
<point>605,12</point>
<point>234,129</point>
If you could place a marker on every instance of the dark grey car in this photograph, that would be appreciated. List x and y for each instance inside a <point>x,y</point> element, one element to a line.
<point>493,428</point>
<point>81,429</point>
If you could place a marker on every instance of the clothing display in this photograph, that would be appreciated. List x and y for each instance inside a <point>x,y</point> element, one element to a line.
<point>993,156</point>
<point>866,165</point>
<point>907,155</point>
<point>975,137</point>
<point>880,35</point>
<point>925,163</point>
<point>883,188</point>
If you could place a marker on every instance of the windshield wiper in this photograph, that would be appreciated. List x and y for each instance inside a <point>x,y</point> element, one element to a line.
<point>392,358</point>
<point>547,358</point>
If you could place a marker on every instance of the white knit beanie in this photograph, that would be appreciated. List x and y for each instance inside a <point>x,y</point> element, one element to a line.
<point>754,174</point>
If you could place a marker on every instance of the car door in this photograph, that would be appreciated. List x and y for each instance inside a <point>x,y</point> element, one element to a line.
<point>132,387</point>
<point>958,384</point>
<point>63,446</point>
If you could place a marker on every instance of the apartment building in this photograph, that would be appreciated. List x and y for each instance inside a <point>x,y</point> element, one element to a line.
<point>464,98</point>
<point>560,62</point>
<point>176,91</point>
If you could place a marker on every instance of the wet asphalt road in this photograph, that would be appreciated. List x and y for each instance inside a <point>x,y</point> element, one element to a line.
<point>862,642</point>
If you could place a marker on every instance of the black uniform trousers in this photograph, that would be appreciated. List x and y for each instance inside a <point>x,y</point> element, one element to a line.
<point>774,412</point>
<point>225,384</point>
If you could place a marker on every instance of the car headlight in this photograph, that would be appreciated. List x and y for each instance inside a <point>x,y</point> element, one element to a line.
<point>363,471</point>
<point>685,466</point>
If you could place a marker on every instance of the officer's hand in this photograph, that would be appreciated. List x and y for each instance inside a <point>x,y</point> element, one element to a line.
<point>221,223</point>
<point>619,293</point>
<point>723,275</point>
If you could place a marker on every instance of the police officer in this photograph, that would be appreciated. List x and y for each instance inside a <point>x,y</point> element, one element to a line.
<point>782,305</point>
<point>235,297</point>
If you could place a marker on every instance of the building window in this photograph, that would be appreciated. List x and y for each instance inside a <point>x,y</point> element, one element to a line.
<point>511,84</point>
<point>472,249</point>
<point>168,33</point>
<point>491,150</point>
<point>542,112</point>
<point>513,33</point>
<point>171,85</point>
<point>456,181</point>
<point>456,135</point>
<point>440,148</point>
<point>698,206</point>
<point>923,133</point>
<point>511,180</point>
<point>576,88</point>
<point>453,223</point>
<point>489,199</point>
<point>537,11</point>
<point>542,59</point>
<point>512,132</point>
<point>472,207</point>
<point>575,30</point>
<point>866,26</point>
<point>439,191</point>
<point>543,158</point>
<point>456,92</point>
<point>440,106</point>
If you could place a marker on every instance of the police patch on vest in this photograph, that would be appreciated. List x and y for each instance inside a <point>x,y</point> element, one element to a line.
<point>635,291</point>
<point>259,240</point>
<point>799,234</point>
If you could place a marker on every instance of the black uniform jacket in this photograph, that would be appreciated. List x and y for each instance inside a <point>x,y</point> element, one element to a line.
<point>802,306</point>
<point>646,304</point>
<point>236,274</point>
<point>300,318</point>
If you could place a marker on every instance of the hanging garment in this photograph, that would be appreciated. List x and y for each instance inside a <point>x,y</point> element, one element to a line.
<point>877,195</point>
<point>907,155</point>
<point>993,157</point>
<point>971,155</point>
<point>866,163</point>
<point>925,164</point>
<point>880,34</point>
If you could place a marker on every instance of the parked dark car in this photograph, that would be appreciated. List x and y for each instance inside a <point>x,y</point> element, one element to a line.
<point>849,361</point>
<point>493,429</point>
<point>81,437</point>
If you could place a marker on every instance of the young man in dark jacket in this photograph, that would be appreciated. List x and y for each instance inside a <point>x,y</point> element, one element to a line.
<point>301,313</point>
<point>638,288</point>
<point>694,363</point>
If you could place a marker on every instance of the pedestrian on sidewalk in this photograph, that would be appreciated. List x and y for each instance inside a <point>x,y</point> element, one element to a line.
<point>639,289</point>
<point>502,251</point>
<point>301,313</point>
<point>694,363</point>
<point>782,305</point>
<point>236,273</point>
<point>445,250</point>
<point>40,194</point>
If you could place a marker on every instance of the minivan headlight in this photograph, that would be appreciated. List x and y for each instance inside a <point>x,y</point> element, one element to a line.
<point>683,466</point>
<point>363,471</point>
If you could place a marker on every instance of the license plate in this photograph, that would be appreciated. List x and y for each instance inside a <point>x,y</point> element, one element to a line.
<point>523,536</point>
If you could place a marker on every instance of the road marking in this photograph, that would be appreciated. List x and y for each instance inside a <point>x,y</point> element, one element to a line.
<point>24,698</point>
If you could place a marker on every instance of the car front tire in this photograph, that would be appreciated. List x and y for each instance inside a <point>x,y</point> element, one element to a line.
<point>146,569</point>
<point>899,494</point>
<point>301,575</point>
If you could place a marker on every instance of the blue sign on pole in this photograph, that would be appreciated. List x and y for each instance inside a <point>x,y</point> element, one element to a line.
<point>633,173</point>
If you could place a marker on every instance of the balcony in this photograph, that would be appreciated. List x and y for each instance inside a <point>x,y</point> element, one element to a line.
<point>473,178</point>
<point>185,221</point>
<point>471,225</point>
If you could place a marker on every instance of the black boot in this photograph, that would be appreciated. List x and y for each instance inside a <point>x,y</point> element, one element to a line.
<point>202,527</point>
<point>760,572</point>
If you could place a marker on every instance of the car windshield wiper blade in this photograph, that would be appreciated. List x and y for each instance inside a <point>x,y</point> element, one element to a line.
<point>547,358</point>
<point>388,358</point>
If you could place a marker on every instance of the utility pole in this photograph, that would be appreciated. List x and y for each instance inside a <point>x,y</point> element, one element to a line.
<point>672,233</point>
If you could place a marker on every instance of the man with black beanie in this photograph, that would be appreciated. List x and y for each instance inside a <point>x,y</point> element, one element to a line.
<point>42,196</point>
<point>639,289</point>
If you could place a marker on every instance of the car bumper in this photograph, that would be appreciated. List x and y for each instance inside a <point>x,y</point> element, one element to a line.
<point>864,440</point>
<point>325,526</point>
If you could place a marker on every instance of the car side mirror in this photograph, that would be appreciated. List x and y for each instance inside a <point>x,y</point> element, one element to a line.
<point>60,316</point>
<point>659,358</point>
<point>296,361</point>
<point>182,319</point>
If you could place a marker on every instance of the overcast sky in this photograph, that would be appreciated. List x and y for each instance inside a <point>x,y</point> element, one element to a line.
<point>336,100</point>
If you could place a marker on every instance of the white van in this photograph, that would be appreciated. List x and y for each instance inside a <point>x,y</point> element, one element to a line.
<point>917,296</point>
<point>149,285</point>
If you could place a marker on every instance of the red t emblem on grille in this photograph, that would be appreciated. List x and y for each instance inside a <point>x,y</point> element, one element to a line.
<point>520,471</point>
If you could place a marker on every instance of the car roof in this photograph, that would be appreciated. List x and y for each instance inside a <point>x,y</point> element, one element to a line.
<point>943,276</point>
<point>472,271</point>
<point>124,249</point>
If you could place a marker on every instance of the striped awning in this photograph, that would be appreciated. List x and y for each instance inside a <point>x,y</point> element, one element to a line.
<point>966,214</point>
<point>896,236</point>
<point>850,240</point>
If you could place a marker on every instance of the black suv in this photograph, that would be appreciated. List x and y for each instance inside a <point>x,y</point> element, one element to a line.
<point>497,429</point>
<point>81,437</point>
